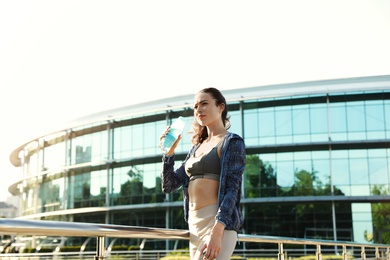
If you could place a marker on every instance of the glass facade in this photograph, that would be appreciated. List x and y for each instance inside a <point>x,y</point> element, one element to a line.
<point>318,166</point>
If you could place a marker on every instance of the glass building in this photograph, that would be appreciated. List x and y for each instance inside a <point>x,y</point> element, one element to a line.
<point>318,162</point>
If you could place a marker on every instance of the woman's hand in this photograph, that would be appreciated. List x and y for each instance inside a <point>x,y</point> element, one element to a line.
<point>213,246</point>
<point>172,150</point>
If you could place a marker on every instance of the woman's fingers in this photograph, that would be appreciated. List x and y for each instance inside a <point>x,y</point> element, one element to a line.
<point>174,145</point>
<point>165,132</point>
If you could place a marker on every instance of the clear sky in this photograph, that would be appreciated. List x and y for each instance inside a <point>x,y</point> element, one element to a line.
<point>60,60</point>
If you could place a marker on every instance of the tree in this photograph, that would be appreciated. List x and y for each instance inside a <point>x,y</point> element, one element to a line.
<point>380,217</point>
<point>290,219</point>
<point>132,190</point>
<point>260,178</point>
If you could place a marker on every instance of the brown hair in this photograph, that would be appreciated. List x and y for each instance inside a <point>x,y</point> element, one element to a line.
<point>200,132</point>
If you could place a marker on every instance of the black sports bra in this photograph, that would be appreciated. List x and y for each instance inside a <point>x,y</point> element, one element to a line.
<point>206,166</point>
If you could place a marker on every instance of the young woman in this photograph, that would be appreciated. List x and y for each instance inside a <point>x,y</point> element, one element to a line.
<point>211,177</point>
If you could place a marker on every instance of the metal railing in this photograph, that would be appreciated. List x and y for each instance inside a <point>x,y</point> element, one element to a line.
<point>102,231</point>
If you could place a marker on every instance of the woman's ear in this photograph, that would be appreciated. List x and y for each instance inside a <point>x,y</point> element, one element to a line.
<point>222,107</point>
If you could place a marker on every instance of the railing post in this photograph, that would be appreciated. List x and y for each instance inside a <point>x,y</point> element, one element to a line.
<point>100,252</point>
<point>377,255</point>
<point>363,253</point>
<point>280,254</point>
<point>318,253</point>
<point>345,256</point>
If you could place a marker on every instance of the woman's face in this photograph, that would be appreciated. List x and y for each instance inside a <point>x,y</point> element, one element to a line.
<point>206,111</point>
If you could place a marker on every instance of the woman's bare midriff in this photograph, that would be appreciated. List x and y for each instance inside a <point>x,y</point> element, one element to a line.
<point>202,192</point>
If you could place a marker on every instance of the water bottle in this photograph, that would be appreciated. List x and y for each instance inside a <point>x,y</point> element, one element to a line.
<point>171,137</point>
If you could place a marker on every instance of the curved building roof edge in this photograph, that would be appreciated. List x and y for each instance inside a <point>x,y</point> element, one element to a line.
<point>363,83</point>
<point>263,91</point>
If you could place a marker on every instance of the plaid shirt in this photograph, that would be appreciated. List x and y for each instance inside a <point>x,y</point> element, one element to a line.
<point>233,161</point>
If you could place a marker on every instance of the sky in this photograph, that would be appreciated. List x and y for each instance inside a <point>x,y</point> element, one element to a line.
<point>61,60</point>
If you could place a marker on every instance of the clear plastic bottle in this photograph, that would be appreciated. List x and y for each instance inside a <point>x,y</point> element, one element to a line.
<point>171,137</point>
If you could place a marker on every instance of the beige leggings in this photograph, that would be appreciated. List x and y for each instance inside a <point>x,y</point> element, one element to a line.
<point>200,223</point>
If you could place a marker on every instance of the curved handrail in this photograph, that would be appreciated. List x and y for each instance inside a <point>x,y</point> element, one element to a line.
<point>62,228</point>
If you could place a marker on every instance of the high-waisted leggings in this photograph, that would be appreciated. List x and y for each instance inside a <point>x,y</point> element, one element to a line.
<point>200,223</point>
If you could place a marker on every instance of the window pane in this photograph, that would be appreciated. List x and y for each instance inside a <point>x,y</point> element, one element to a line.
<point>356,120</point>
<point>338,124</point>
<point>267,126</point>
<point>301,124</point>
<point>251,127</point>
<point>319,123</point>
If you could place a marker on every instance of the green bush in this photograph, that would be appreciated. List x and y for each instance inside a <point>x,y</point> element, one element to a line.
<point>185,256</point>
<point>45,250</point>
<point>324,257</point>
<point>135,248</point>
<point>28,250</point>
<point>120,248</point>
<point>177,256</point>
<point>70,249</point>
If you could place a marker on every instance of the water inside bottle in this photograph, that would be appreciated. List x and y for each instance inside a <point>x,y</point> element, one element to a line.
<point>171,137</point>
